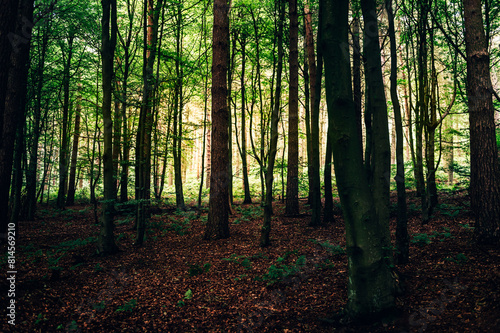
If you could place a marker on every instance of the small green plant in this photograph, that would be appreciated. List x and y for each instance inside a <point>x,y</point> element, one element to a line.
<point>421,239</point>
<point>445,234</point>
<point>40,318</point>
<point>98,268</point>
<point>326,264</point>
<point>180,227</point>
<point>466,226</point>
<point>187,296</point>
<point>196,269</point>
<point>330,248</point>
<point>127,307</point>
<point>242,260</point>
<point>54,263</point>
<point>458,259</point>
<point>281,270</point>
<point>99,306</point>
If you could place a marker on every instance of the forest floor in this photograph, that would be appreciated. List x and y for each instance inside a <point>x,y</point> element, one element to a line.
<point>177,282</point>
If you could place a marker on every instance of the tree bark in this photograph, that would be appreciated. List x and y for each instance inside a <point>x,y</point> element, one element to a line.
<point>315,83</point>
<point>218,216</point>
<point>106,244</point>
<point>15,38</point>
<point>268,207</point>
<point>292,180</point>
<point>370,287</point>
<point>402,239</point>
<point>484,179</point>
<point>70,199</point>
<point>64,148</point>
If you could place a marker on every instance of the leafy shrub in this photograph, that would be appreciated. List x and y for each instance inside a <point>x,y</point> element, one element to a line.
<point>330,248</point>
<point>281,270</point>
<point>127,307</point>
<point>242,260</point>
<point>458,259</point>
<point>421,239</point>
<point>196,269</point>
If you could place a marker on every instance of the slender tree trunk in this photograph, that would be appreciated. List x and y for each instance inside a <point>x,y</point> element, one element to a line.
<point>218,216</point>
<point>402,239</point>
<point>484,179</point>
<point>178,107</point>
<point>106,244</point>
<point>143,146</point>
<point>315,185</point>
<point>31,175</point>
<point>64,149</point>
<point>70,199</point>
<point>268,208</point>
<point>244,163</point>
<point>292,180</point>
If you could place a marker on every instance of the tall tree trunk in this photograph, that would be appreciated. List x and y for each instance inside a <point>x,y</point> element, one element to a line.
<point>64,149</point>
<point>205,104</point>
<point>268,208</point>
<point>402,239</point>
<point>178,109</point>
<point>14,68</point>
<point>370,287</point>
<point>145,127</point>
<point>106,244</point>
<point>292,179</point>
<point>484,179</point>
<point>422,103</point>
<point>315,83</point>
<point>218,215</point>
<point>70,199</point>
<point>31,175</point>
<point>244,163</point>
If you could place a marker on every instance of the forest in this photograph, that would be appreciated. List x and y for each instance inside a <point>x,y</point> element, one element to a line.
<point>250,166</point>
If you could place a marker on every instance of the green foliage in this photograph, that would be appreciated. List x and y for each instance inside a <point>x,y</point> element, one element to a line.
<point>330,248</point>
<point>466,226</point>
<point>282,270</point>
<point>421,239</point>
<point>127,307</point>
<point>98,268</point>
<point>458,259</point>
<point>187,296</point>
<point>73,244</point>
<point>449,210</point>
<point>40,318</point>
<point>180,227</point>
<point>445,234</point>
<point>54,262</point>
<point>100,306</point>
<point>325,264</point>
<point>195,269</point>
<point>242,260</point>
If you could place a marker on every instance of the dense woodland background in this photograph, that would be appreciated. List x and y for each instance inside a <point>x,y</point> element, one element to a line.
<point>157,109</point>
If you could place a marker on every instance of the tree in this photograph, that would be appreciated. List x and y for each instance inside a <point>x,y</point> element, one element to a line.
<point>218,215</point>
<point>67,51</point>
<point>402,240</point>
<point>370,287</point>
<point>484,178</point>
<point>292,179</point>
<point>70,199</point>
<point>315,83</point>
<point>107,243</point>
<point>268,207</point>
<point>145,126</point>
<point>15,38</point>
